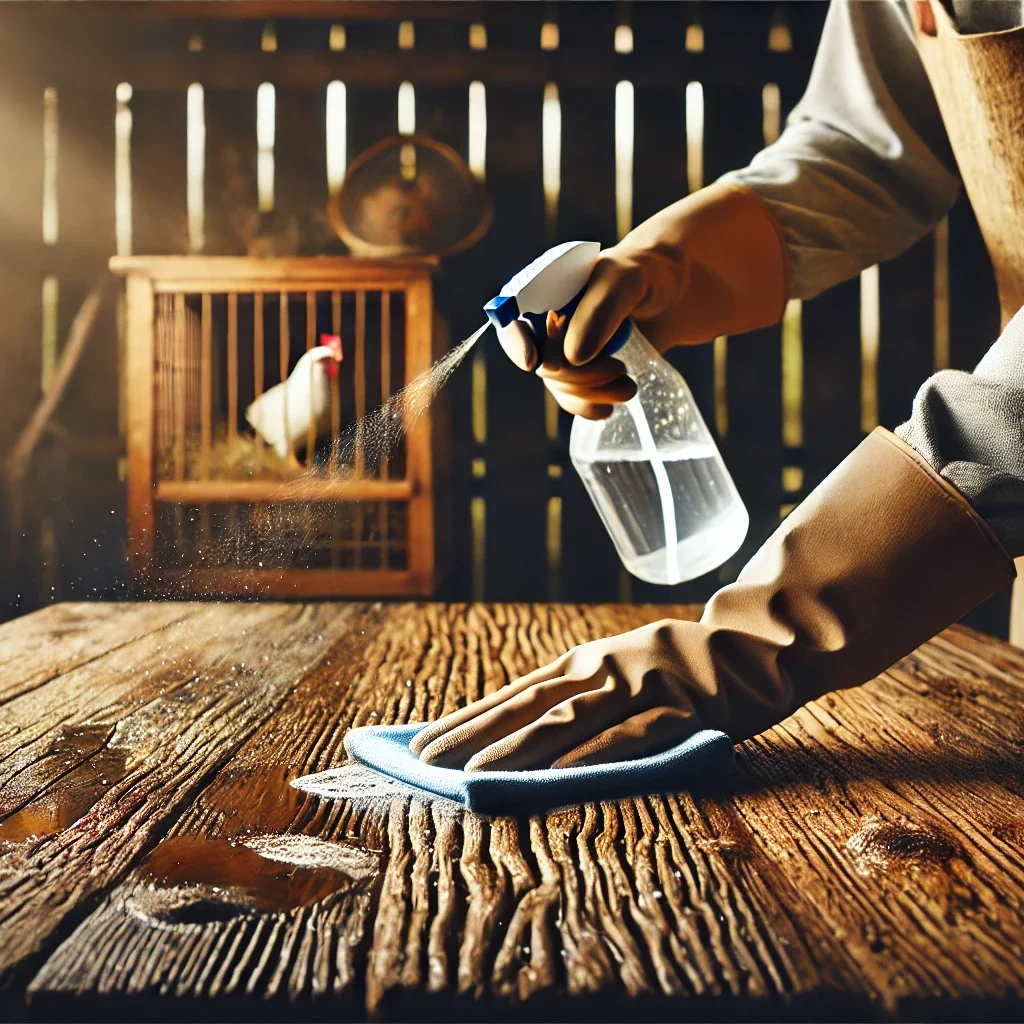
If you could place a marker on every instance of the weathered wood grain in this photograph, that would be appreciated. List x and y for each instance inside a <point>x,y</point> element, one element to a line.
<point>864,862</point>
<point>142,728</point>
<point>53,641</point>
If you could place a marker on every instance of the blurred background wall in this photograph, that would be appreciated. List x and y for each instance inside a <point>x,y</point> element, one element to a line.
<point>173,127</point>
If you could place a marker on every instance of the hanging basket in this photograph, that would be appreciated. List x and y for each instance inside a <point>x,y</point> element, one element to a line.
<point>409,195</point>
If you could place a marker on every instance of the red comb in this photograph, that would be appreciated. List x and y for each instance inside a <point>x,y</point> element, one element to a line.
<point>333,342</point>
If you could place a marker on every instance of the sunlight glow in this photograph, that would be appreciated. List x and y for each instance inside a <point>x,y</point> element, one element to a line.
<point>337,135</point>
<point>477,129</point>
<point>123,170</point>
<point>551,154</point>
<point>265,131</point>
<point>694,135</point>
<point>50,132</point>
<point>195,166</point>
<point>406,109</point>
<point>623,158</point>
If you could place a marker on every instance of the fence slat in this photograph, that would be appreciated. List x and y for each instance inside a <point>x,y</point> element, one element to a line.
<point>659,151</point>
<point>335,387</point>
<point>232,211</point>
<point>590,565</point>
<point>24,261</point>
<point>372,109</point>
<point>831,329</point>
<point>973,302</point>
<point>206,387</point>
<point>515,489</point>
<point>973,326</point>
<point>300,166</point>
<point>232,368</point>
<point>159,209</point>
<point>733,134</point>
<point>659,179</point>
<point>465,284</point>
<point>89,546</point>
<point>907,324</point>
<point>181,364</point>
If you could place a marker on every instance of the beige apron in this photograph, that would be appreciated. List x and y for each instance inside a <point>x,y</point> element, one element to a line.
<point>978,81</point>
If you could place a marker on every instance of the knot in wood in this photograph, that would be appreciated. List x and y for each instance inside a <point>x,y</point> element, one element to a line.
<point>895,846</point>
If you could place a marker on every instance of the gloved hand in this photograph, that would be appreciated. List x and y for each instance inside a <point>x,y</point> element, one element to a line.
<point>589,391</point>
<point>713,263</point>
<point>626,690</point>
<point>879,558</point>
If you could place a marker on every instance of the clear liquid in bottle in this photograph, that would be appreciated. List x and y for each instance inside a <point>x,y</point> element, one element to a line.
<point>657,478</point>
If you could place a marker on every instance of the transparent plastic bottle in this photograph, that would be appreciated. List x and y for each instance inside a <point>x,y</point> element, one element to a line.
<point>656,476</point>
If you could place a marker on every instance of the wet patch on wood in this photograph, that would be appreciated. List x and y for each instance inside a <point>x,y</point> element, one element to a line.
<point>193,879</point>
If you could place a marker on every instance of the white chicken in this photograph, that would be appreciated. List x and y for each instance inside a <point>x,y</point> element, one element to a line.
<point>282,416</point>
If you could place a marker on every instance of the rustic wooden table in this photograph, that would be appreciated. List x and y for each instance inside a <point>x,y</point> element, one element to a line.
<point>867,861</point>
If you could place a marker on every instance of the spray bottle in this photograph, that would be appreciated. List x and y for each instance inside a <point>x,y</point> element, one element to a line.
<point>652,468</point>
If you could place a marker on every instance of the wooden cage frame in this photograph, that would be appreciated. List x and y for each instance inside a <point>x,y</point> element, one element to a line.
<point>149,276</point>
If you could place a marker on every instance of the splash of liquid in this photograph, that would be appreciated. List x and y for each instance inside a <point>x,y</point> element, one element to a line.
<point>288,523</point>
<point>364,787</point>
<point>368,442</point>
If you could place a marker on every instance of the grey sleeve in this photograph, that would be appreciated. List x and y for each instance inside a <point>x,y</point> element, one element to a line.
<point>863,168</point>
<point>970,428</point>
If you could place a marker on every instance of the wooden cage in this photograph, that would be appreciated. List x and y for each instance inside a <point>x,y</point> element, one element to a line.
<point>212,510</point>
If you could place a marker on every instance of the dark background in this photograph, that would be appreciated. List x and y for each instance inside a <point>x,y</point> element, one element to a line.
<point>508,539</point>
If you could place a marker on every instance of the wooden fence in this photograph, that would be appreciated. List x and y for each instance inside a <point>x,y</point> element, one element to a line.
<point>135,130</point>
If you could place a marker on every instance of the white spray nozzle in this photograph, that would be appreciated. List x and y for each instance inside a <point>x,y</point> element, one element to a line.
<point>551,281</point>
<point>555,280</point>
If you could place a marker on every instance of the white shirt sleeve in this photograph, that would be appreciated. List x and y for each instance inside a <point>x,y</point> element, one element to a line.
<point>863,168</point>
<point>862,171</point>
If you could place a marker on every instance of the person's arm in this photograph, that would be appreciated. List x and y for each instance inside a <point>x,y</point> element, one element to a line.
<point>970,428</point>
<point>903,538</point>
<point>861,172</point>
<point>863,168</point>
<point>878,558</point>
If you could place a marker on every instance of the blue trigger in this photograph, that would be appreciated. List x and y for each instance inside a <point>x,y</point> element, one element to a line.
<point>538,323</point>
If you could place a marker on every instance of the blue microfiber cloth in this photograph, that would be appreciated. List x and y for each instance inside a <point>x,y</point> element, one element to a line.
<point>699,762</point>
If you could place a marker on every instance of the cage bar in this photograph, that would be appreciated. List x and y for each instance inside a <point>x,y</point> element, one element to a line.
<point>385,362</point>
<point>360,396</point>
<point>206,390</point>
<point>310,342</point>
<point>180,369</point>
<point>284,336</point>
<point>360,379</point>
<point>385,394</point>
<point>335,388</point>
<point>257,346</point>
<point>232,366</point>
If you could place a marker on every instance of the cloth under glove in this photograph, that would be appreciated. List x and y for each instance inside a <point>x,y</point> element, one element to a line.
<point>879,557</point>
<point>700,762</point>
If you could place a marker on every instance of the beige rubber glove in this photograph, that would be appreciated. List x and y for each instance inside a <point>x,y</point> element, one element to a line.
<point>713,263</point>
<point>878,558</point>
<point>590,390</point>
